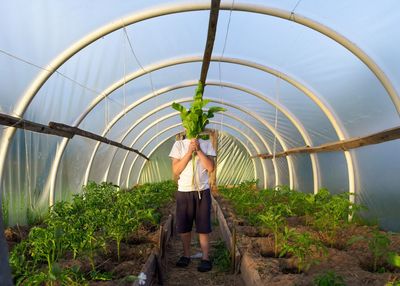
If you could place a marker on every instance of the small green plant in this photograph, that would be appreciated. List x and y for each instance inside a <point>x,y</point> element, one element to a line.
<point>333,212</point>
<point>379,246</point>
<point>393,282</point>
<point>5,209</point>
<point>274,219</point>
<point>221,257</point>
<point>83,228</point>
<point>329,278</point>
<point>394,259</point>
<point>300,245</point>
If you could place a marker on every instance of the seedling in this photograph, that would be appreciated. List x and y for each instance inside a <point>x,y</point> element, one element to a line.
<point>300,245</point>
<point>329,278</point>
<point>274,219</point>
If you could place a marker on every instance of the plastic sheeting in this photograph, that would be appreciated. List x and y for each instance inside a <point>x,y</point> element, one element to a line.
<point>233,163</point>
<point>284,84</point>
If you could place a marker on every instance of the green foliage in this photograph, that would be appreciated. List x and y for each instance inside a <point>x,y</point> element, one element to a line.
<point>83,227</point>
<point>332,212</point>
<point>194,120</point>
<point>329,278</point>
<point>274,219</point>
<point>394,282</point>
<point>378,244</point>
<point>5,209</point>
<point>301,245</point>
<point>393,259</point>
<point>221,257</point>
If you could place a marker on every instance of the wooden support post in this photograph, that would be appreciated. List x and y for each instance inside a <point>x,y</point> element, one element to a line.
<point>213,174</point>
<point>212,29</point>
<point>343,145</point>
<point>83,133</point>
<point>20,123</point>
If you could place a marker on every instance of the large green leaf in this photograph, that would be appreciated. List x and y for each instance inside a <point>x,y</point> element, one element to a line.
<point>195,120</point>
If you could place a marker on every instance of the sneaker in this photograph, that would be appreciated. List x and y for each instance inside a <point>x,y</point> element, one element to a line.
<point>204,266</point>
<point>183,261</point>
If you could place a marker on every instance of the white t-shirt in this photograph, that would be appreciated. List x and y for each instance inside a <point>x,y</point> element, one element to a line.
<point>185,182</point>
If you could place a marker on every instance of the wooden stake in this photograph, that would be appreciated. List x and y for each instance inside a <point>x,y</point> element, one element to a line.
<point>343,145</point>
<point>212,28</point>
<point>20,123</point>
<point>75,130</point>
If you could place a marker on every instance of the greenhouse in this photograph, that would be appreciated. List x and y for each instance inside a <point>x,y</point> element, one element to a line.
<point>291,109</point>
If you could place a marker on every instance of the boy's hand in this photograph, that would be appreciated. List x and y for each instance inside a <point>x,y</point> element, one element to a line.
<point>194,145</point>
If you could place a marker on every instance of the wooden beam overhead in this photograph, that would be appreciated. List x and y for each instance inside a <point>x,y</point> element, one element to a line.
<point>20,123</point>
<point>74,130</point>
<point>212,29</point>
<point>343,145</point>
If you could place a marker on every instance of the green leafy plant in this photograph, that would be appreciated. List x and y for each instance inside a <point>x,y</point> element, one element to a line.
<point>329,278</point>
<point>394,259</point>
<point>5,209</point>
<point>194,120</point>
<point>221,256</point>
<point>300,245</point>
<point>332,212</point>
<point>378,244</point>
<point>274,219</point>
<point>83,228</point>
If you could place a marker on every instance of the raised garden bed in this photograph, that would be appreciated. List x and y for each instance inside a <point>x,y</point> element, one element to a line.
<point>310,252</point>
<point>106,236</point>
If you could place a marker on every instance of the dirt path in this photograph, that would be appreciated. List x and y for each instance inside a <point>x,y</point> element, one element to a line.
<point>190,276</point>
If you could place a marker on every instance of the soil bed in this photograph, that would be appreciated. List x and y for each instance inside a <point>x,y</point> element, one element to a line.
<point>353,262</point>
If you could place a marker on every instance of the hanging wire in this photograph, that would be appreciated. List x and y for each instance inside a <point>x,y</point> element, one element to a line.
<point>219,63</point>
<point>145,71</point>
<point>92,90</point>
<point>124,86</point>
<point>292,15</point>
<point>277,85</point>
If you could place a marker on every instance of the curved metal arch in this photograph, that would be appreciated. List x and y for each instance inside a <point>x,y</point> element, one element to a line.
<point>159,144</point>
<point>177,113</point>
<point>165,89</point>
<point>292,118</point>
<point>177,8</point>
<point>287,113</point>
<point>53,172</point>
<point>156,135</point>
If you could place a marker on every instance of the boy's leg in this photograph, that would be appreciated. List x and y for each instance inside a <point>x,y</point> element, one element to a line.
<point>205,245</point>
<point>186,239</point>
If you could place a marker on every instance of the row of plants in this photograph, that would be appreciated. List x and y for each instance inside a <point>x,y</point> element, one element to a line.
<point>84,228</point>
<point>324,214</point>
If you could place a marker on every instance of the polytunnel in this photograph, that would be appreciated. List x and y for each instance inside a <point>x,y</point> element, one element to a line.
<point>311,90</point>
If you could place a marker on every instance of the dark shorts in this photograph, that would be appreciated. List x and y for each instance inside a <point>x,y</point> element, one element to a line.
<point>190,208</point>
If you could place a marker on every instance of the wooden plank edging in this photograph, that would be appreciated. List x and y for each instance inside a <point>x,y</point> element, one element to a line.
<point>225,232</point>
<point>153,266</point>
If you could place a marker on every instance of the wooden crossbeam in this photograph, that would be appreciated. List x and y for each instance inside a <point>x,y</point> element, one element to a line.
<point>87,134</point>
<point>20,123</point>
<point>343,145</point>
<point>212,29</point>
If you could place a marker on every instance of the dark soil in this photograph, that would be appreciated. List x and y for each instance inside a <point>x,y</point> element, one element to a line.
<point>190,275</point>
<point>351,261</point>
<point>133,252</point>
